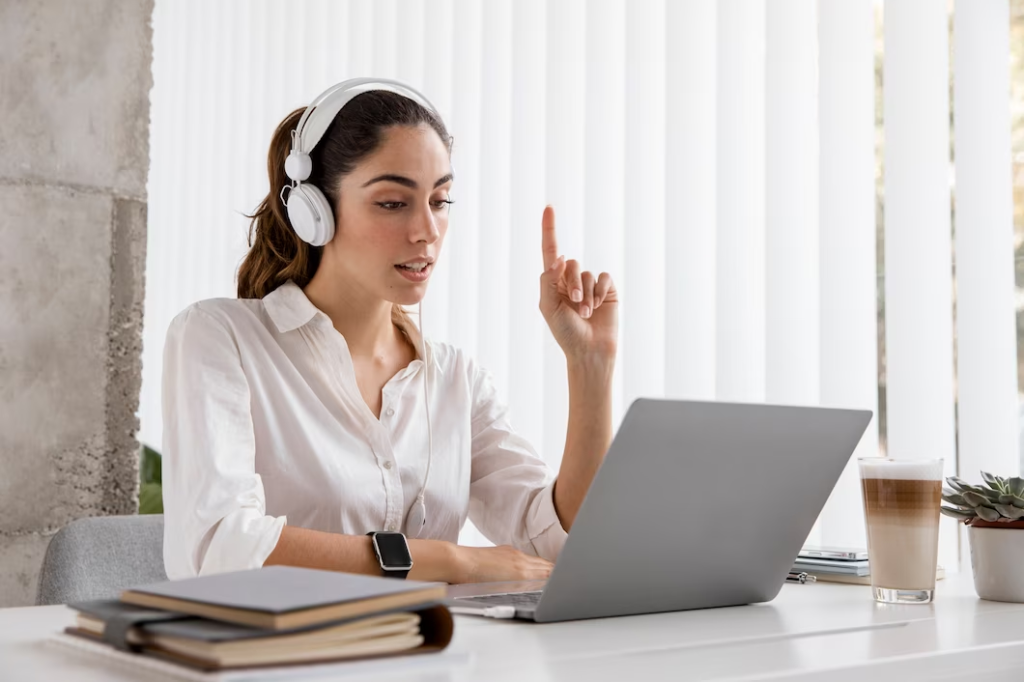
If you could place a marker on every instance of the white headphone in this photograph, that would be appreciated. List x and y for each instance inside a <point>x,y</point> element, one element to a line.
<point>312,219</point>
<point>308,209</point>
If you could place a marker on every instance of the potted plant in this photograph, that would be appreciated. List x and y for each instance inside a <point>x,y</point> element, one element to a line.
<point>150,488</point>
<point>994,515</point>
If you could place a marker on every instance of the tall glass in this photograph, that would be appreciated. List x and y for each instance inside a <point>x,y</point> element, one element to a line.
<point>901,507</point>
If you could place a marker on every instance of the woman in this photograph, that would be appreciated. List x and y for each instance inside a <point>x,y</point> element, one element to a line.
<point>297,416</point>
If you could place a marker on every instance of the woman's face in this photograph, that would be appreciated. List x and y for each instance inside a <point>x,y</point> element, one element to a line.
<point>393,211</point>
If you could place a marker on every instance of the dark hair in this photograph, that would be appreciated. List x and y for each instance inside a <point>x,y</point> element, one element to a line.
<point>276,252</point>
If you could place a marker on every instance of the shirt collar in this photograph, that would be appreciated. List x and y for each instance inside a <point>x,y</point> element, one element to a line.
<point>289,307</point>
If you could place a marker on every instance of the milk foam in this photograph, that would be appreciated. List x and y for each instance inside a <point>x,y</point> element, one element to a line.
<point>895,469</point>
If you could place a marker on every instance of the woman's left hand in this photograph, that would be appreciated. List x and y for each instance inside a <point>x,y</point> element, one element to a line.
<point>581,310</point>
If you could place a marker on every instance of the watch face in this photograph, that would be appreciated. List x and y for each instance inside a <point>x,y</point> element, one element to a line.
<point>393,550</point>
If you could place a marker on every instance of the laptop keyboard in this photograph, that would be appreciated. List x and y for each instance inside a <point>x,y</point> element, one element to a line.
<point>518,599</point>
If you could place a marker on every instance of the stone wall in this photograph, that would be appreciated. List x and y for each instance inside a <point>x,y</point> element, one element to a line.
<point>74,157</point>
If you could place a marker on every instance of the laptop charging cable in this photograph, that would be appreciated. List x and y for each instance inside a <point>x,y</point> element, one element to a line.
<point>502,611</point>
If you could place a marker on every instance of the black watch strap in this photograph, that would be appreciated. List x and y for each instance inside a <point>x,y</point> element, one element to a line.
<point>388,568</point>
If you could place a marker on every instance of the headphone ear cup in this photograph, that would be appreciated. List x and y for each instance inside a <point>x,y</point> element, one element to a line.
<point>310,214</point>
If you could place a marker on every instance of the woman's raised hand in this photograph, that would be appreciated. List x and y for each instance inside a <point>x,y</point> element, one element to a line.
<point>581,310</point>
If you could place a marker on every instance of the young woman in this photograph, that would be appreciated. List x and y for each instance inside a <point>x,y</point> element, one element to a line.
<point>309,411</point>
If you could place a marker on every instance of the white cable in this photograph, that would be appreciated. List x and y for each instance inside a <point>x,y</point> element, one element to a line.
<point>419,511</point>
<point>502,611</point>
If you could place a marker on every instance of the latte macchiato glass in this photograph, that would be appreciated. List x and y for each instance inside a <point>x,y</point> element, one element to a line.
<point>901,505</point>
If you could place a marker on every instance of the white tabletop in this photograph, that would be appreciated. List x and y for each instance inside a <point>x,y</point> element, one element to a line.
<point>807,630</point>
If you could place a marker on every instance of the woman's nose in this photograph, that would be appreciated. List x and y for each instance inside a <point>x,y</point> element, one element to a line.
<point>426,228</point>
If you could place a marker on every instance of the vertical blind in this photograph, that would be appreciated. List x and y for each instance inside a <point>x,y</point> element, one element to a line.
<point>918,246</point>
<point>718,159</point>
<point>986,340</point>
<point>846,241</point>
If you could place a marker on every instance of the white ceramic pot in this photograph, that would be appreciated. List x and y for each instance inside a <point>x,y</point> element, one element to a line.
<point>997,555</point>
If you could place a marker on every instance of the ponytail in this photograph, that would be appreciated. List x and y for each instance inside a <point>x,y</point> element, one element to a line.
<point>276,253</point>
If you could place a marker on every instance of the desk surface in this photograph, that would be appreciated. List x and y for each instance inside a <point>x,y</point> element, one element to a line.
<point>806,631</point>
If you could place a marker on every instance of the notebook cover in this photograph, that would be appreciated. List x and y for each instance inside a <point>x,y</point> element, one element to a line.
<point>281,589</point>
<point>436,626</point>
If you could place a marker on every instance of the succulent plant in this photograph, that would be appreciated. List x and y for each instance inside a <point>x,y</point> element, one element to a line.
<point>999,500</point>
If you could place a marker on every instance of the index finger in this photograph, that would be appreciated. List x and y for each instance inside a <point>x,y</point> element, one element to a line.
<point>549,244</point>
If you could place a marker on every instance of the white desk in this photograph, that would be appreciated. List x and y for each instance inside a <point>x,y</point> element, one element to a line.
<point>807,630</point>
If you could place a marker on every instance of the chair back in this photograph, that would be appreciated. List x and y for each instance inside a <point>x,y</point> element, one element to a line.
<point>98,557</point>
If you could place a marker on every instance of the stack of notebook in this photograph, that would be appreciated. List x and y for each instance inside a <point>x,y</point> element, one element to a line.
<point>834,570</point>
<point>839,565</point>
<point>270,617</point>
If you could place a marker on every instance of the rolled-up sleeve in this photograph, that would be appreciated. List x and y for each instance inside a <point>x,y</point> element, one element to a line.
<point>214,504</point>
<point>511,494</point>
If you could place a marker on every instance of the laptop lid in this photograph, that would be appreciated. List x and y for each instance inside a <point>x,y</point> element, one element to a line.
<point>698,505</point>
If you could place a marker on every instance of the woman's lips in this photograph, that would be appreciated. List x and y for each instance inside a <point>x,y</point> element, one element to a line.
<point>414,276</point>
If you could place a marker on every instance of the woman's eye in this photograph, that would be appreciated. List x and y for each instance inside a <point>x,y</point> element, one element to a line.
<point>395,205</point>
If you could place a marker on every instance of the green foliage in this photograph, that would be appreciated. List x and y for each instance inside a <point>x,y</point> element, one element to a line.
<point>151,499</point>
<point>999,500</point>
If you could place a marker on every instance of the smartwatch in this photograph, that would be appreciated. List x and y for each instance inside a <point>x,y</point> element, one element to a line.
<point>392,552</point>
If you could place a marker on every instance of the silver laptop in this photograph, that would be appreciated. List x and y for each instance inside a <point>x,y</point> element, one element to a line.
<point>697,505</point>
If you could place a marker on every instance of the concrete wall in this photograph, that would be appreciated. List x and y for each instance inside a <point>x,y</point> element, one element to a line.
<point>74,156</point>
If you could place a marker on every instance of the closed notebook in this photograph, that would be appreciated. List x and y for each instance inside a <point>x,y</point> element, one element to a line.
<point>212,645</point>
<point>850,568</point>
<point>284,597</point>
<point>838,563</point>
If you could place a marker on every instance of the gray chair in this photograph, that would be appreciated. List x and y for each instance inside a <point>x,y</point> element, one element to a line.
<point>98,557</point>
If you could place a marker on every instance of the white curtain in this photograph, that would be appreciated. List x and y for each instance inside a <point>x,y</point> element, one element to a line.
<point>717,158</point>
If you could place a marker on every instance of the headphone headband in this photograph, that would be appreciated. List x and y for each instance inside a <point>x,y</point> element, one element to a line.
<point>321,112</point>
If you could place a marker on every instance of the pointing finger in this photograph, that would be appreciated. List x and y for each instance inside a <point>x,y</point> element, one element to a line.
<point>550,285</point>
<point>549,244</point>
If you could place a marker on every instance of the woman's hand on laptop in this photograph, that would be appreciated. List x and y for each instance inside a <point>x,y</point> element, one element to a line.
<point>498,564</point>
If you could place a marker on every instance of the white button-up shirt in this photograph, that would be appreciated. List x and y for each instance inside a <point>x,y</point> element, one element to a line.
<point>264,425</point>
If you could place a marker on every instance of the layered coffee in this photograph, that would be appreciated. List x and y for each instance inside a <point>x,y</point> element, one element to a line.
<point>901,505</point>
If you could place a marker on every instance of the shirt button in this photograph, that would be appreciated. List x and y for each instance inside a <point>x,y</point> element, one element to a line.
<point>391,411</point>
<point>392,528</point>
<point>387,464</point>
